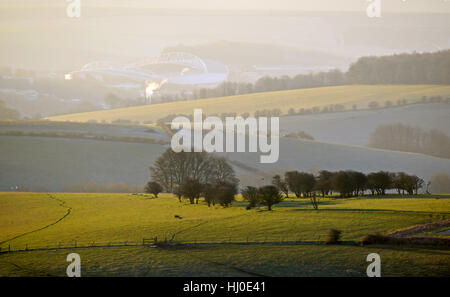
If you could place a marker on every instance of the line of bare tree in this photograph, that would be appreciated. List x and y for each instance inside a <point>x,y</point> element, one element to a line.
<point>192,175</point>
<point>414,68</point>
<point>406,138</point>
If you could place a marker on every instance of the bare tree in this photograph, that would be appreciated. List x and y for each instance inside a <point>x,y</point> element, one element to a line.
<point>251,195</point>
<point>192,189</point>
<point>171,169</point>
<point>315,201</point>
<point>281,185</point>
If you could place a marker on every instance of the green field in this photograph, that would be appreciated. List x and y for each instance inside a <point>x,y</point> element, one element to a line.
<point>360,95</point>
<point>38,220</point>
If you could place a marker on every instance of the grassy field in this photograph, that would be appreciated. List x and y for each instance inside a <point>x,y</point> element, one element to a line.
<point>360,95</point>
<point>38,220</point>
<point>355,127</point>
<point>41,163</point>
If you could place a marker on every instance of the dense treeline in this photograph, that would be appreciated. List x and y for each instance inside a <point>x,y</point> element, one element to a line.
<point>193,175</point>
<point>415,68</point>
<point>268,84</point>
<point>401,137</point>
<point>81,135</point>
<point>347,183</point>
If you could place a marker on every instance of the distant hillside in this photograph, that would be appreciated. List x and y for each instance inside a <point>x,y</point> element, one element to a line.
<point>348,96</point>
<point>355,127</point>
<point>415,68</point>
<point>251,54</point>
<point>50,164</point>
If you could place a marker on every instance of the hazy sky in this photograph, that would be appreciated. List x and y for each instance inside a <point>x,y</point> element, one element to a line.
<point>302,5</point>
<point>321,5</point>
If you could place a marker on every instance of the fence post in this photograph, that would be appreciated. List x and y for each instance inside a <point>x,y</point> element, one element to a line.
<point>9,248</point>
<point>75,243</point>
<point>26,246</point>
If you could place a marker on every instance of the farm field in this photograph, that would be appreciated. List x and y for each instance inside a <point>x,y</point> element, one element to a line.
<point>360,95</point>
<point>355,127</point>
<point>45,219</point>
<point>41,163</point>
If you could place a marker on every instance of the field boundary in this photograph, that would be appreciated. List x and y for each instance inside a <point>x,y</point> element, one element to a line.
<point>169,244</point>
<point>154,243</point>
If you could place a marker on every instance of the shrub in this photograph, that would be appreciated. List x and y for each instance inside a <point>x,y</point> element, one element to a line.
<point>191,188</point>
<point>374,239</point>
<point>225,192</point>
<point>250,194</point>
<point>269,195</point>
<point>339,107</point>
<point>373,105</point>
<point>153,188</point>
<point>333,236</point>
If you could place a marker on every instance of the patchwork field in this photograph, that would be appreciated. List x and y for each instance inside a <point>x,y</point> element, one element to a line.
<point>42,163</point>
<point>355,127</point>
<point>360,95</point>
<point>38,220</point>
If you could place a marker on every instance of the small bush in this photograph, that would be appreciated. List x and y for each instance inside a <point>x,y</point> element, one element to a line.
<point>373,105</point>
<point>333,237</point>
<point>153,188</point>
<point>374,239</point>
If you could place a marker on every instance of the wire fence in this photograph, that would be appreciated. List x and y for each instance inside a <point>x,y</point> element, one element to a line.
<point>154,242</point>
<point>71,245</point>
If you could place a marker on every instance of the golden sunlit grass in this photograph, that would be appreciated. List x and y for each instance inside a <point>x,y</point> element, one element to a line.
<point>125,217</point>
<point>361,95</point>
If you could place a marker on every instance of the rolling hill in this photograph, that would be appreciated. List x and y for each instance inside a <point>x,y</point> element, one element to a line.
<point>360,95</point>
<point>355,127</point>
<point>51,163</point>
<point>288,241</point>
<point>41,161</point>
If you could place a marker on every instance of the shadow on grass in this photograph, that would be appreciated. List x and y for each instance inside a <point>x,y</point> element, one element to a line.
<point>403,196</point>
<point>304,203</point>
<point>421,249</point>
